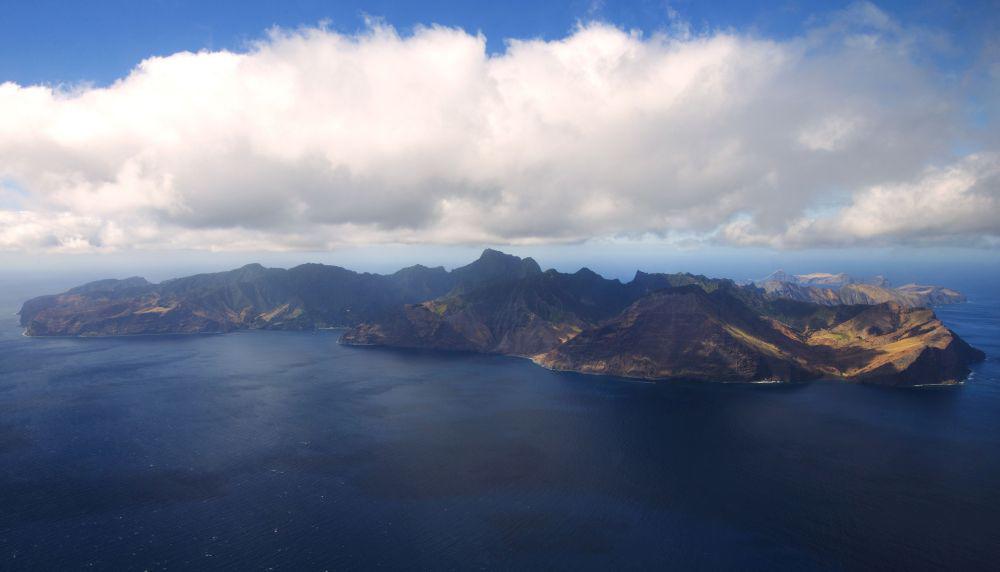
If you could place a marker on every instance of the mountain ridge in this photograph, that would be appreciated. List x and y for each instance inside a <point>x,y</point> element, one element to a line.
<point>842,288</point>
<point>656,326</point>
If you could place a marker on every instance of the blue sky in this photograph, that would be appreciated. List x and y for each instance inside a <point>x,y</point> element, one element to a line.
<point>53,41</point>
<point>722,135</point>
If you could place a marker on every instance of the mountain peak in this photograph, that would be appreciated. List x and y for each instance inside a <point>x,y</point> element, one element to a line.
<point>493,253</point>
<point>778,275</point>
<point>496,265</point>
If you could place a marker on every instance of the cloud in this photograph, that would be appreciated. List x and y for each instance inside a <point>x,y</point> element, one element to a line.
<point>953,204</point>
<point>312,139</point>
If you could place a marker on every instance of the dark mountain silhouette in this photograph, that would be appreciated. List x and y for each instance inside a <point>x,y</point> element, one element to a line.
<point>657,326</point>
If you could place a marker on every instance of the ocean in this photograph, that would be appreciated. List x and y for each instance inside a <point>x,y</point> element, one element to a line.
<point>287,451</point>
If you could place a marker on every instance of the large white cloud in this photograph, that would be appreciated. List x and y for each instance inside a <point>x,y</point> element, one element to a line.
<point>957,204</point>
<point>312,138</point>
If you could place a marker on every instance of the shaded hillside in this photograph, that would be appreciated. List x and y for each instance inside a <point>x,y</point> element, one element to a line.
<point>252,297</point>
<point>514,316</point>
<point>656,326</point>
<point>687,334</point>
<point>667,326</point>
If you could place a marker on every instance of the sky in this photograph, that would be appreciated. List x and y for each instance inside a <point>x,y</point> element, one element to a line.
<point>833,132</point>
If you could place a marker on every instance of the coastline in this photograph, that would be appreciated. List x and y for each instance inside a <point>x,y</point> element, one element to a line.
<point>532,359</point>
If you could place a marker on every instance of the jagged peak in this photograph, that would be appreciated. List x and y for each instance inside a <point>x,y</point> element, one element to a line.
<point>530,264</point>
<point>494,253</point>
<point>493,264</point>
<point>778,275</point>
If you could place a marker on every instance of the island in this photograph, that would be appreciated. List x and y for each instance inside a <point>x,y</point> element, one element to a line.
<point>832,289</point>
<point>655,327</point>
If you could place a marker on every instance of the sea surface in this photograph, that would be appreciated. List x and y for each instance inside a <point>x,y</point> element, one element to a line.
<point>287,451</point>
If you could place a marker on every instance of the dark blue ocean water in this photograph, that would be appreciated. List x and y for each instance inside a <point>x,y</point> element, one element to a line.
<point>288,451</point>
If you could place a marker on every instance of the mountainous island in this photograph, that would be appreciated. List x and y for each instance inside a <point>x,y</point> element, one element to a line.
<point>656,326</point>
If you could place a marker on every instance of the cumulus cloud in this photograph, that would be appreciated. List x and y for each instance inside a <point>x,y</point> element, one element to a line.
<point>312,138</point>
<point>954,204</point>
